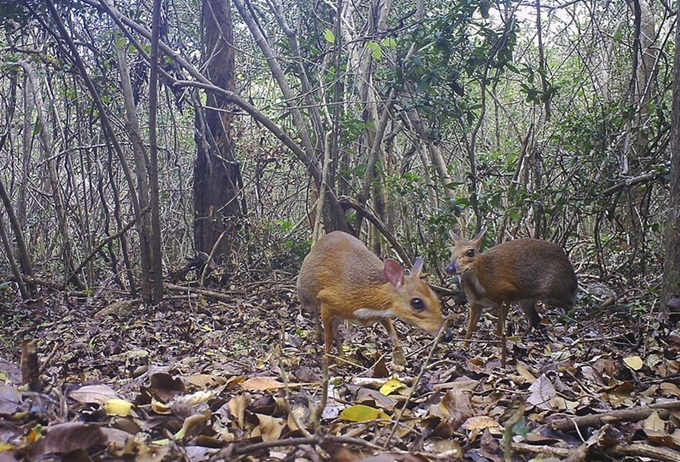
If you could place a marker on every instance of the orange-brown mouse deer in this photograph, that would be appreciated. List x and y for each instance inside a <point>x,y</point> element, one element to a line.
<point>342,279</point>
<point>523,271</point>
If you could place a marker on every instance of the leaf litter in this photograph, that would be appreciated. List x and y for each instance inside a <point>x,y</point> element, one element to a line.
<point>239,379</point>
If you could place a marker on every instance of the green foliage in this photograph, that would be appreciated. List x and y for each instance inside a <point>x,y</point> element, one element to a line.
<point>430,237</point>
<point>329,36</point>
<point>454,51</point>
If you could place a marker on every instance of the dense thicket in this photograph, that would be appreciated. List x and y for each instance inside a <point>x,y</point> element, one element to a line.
<point>550,119</point>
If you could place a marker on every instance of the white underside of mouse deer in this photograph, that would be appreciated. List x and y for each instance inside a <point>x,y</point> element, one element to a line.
<point>370,315</point>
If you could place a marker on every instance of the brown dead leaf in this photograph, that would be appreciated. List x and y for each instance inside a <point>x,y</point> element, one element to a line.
<point>163,387</point>
<point>97,394</point>
<point>482,422</point>
<point>205,380</point>
<point>66,438</point>
<point>380,369</point>
<point>270,428</point>
<point>373,397</point>
<point>301,413</point>
<point>621,395</point>
<point>307,375</point>
<point>447,446</point>
<point>10,373</point>
<point>262,384</point>
<point>542,393</point>
<point>490,447</point>
<point>393,457</point>
<point>342,453</point>
<point>10,400</point>
<point>192,426</point>
<point>461,383</point>
<point>138,448</point>
<point>237,408</point>
<point>654,424</point>
<point>524,373</point>
<point>454,409</point>
<point>670,389</point>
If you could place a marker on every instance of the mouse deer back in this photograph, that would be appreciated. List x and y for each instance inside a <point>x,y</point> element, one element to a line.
<point>521,271</point>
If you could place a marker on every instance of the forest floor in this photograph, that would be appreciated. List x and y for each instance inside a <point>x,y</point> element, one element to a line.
<point>238,378</point>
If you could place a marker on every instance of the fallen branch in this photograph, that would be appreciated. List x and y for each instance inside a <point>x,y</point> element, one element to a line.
<point>221,296</point>
<point>645,450</point>
<point>621,415</point>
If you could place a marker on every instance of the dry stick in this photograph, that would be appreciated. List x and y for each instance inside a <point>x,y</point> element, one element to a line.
<point>286,389</point>
<point>315,415</point>
<point>49,357</point>
<point>220,296</point>
<point>206,266</point>
<point>550,451</point>
<point>415,385</point>
<point>516,411</point>
<point>316,440</point>
<point>645,450</point>
<point>597,420</point>
<point>322,192</point>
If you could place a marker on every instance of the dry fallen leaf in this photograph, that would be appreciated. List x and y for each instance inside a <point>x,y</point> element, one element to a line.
<point>237,407</point>
<point>481,422</point>
<point>10,400</point>
<point>634,362</point>
<point>542,393</point>
<point>117,406</point>
<point>270,428</point>
<point>391,386</point>
<point>362,413</point>
<point>261,384</point>
<point>98,394</point>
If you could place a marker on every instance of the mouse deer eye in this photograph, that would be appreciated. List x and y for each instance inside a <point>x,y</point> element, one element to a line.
<point>417,304</point>
<point>471,253</point>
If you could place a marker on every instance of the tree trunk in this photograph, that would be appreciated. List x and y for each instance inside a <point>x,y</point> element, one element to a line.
<point>141,168</point>
<point>671,273</point>
<point>218,200</point>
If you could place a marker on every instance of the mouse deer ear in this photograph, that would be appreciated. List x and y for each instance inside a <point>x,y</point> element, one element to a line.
<point>394,272</point>
<point>417,267</point>
<point>454,237</point>
<point>478,238</point>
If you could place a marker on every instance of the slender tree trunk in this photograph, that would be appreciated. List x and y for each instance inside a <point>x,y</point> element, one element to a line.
<point>671,273</point>
<point>156,267</point>
<point>541,61</point>
<point>106,125</point>
<point>141,168</point>
<point>218,199</point>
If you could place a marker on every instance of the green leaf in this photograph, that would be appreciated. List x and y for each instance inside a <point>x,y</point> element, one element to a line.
<point>376,52</point>
<point>329,36</point>
<point>362,413</point>
<point>389,42</point>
